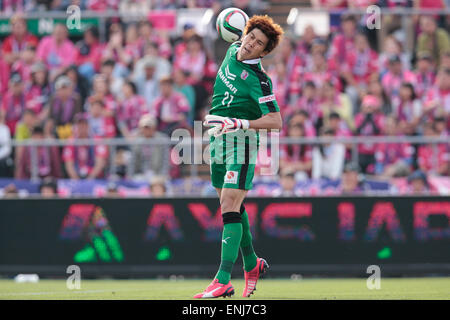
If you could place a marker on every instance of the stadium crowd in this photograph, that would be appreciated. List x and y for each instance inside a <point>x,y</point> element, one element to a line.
<point>141,83</point>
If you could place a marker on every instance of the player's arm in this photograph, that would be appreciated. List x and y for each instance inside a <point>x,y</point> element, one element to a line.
<point>271,120</point>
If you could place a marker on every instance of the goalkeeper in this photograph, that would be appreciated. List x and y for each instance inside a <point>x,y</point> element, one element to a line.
<point>243,102</point>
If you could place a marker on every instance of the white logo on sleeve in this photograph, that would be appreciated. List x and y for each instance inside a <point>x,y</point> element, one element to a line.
<point>231,177</point>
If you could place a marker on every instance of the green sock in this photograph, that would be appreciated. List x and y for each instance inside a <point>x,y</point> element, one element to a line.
<point>247,251</point>
<point>231,238</point>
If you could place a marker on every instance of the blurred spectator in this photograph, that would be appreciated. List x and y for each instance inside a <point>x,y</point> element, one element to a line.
<point>437,100</point>
<point>171,108</point>
<point>101,126</point>
<point>25,62</point>
<point>57,51</point>
<point>181,42</point>
<point>46,158</point>
<point>149,160</point>
<point>115,50</point>
<point>328,159</point>
<point>163,66</point>
<point>10,191</point>
<point>432,39</point>
<point>296,157</point>
<point>361,66</point>
<point>302,117</point>
<point>63,105</point>
<point>393,47</point>
<point>308,101</point>
<point>433,158</point>
<point>393,159</point>
<point>89,53</point>
<point>418,183</point>
<point>38,92</point>
<point>320,72</point>
<point>280,85</point>
<point>130,110</point>
<point>84,161</point>
<point>6,161</point>
<point>440,126</point>
<point>81,84</point>
<point>339,127</point>
<point>4,75</point>
<point>18,40</point>
<point>393,79</point>
<point>149,36</point>
<point>193,60</point>
<point>132,45</point>
<point>113,83</point>
<point>304,46</point>
<point>351,180</point>
<point>343,43</point>
<point>48,188</point>
<point>407,109</point>
<point>158,188</point>
<point>26,125</point>
<point>101,91</point>
<point>335,101</point>
<point>13,103</point>
<point>424,72</point>
<point>181,85</point>
<point>287,185</point>
<point>445,60</point>
<point>286,55</point>
<point>148,83</point>
<point>368,122</point>
<point>376,89</point>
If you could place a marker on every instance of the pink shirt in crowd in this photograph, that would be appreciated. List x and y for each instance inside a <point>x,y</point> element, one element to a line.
<point>56,56</point>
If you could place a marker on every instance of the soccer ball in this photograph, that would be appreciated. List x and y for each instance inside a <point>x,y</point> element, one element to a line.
<point>230,24</point>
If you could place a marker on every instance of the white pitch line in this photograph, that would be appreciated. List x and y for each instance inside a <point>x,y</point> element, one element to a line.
<point>63,292</point>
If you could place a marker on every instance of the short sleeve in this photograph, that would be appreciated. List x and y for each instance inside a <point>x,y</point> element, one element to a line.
<point>262,92</point>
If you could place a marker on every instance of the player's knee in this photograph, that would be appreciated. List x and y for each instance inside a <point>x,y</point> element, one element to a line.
<point>231,217</point>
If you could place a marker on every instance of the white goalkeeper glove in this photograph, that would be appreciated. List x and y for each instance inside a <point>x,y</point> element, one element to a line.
<point>221,125</point>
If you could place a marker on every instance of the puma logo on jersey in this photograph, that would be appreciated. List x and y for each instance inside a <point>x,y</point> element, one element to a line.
<point>265,82</point>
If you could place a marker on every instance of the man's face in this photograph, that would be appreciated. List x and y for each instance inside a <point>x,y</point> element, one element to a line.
<point>60,33</point>
<point>253,45</point>
<point>349,181</point>
<point>417,186</point>
<point>428,25</point>
<point>19,28</point>
<point>147,131</point>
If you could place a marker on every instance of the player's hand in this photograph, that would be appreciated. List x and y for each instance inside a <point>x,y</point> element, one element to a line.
<point>221,125</point>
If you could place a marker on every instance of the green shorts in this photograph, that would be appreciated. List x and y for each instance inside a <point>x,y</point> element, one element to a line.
<point>233,158</point>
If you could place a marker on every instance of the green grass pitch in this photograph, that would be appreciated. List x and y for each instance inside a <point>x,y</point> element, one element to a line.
<point>271,289</point>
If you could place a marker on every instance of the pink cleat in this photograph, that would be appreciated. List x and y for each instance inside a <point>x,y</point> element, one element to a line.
<point>215,290</point>
<point>252,276</point>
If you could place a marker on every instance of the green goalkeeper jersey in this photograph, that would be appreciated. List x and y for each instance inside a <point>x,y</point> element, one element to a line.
<point>242,89</point>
